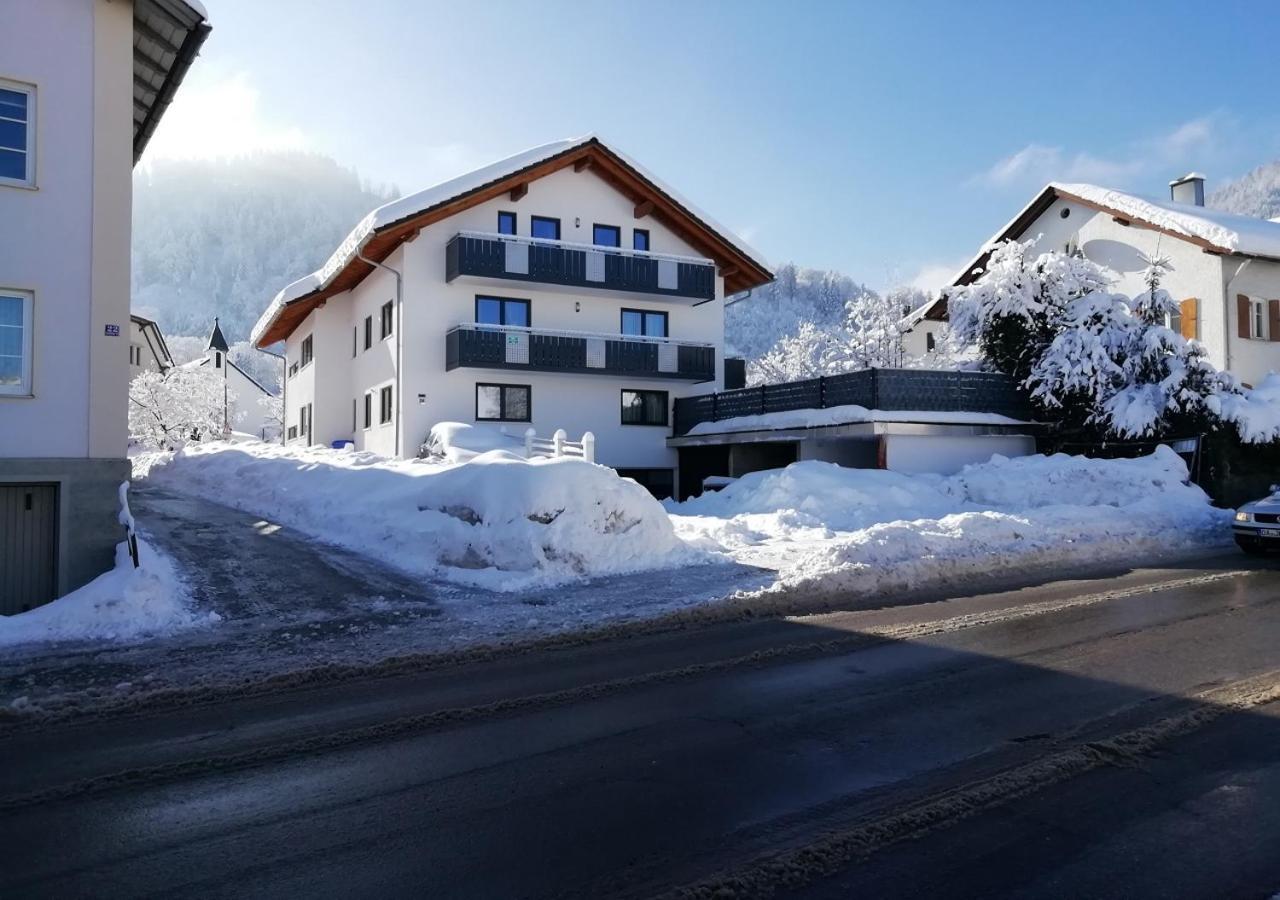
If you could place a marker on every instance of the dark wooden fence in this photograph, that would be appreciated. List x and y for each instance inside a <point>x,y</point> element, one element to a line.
<point>885,389</point>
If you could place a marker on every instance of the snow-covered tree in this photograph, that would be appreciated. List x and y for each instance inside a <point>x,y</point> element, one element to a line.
<point>1010,314</point>
<point>166,410</point>
<point>272,412</point>
<point>1082,366</point>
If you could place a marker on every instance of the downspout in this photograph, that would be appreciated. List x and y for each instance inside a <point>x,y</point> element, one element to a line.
<point>399,326</point>
<point>1226,315</point>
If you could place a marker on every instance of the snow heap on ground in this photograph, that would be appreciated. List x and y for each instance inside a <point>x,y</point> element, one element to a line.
<point>498,521</point>
<point>458,442</point>
<point>123,604</point>
<point>862,530</point>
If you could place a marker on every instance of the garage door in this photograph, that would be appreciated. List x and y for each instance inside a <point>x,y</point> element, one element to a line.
<point>28,545</point>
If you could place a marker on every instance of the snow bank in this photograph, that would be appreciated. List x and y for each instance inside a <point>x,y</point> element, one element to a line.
<point>124,604</point>
<point>499,521</point>
<point>845,415</point>
<point>833,529</point>
<point>459,442</point>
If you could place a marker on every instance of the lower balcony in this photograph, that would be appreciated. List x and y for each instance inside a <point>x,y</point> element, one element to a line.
<point>535,350</point>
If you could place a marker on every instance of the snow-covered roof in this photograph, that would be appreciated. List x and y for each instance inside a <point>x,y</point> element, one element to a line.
<point>850,414</point>
<point>411,205</point>
<point>1226,232</point>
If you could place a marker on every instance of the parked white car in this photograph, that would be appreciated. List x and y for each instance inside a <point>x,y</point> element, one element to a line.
<point>1257,524</point>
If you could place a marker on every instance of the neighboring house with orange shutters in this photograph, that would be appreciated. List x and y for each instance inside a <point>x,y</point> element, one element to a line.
<point>1225,267</point>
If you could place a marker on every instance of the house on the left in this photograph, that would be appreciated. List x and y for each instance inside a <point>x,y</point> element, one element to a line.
<point>83,84</point>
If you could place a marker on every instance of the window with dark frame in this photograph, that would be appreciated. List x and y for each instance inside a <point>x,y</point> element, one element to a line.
<point>387,319</point>
<point>384,405</point>
<point>544,227</point>
<point>929,343</point>
<point>644,323</point>
<point>506,223</point>
<point>355,340</point>
<point>217,359</point>
<point>503,311</point>
<point>503,402</point>
<point>606,235</point>
<point>368,332</point>
<point>644,407</point>
<point>307,352</point>
<point>640,239</point>
<point>354,405</point>
<point>368,410</point>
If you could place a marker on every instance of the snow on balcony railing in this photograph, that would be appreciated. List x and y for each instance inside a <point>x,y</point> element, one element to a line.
<point>596,248</point>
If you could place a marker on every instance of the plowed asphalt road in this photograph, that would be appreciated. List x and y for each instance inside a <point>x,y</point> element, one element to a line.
<point>1115,736</point>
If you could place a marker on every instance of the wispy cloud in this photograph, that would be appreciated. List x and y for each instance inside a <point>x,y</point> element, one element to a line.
<point>217,116</point>
<point>934,276</point>
<point>1189,144</point>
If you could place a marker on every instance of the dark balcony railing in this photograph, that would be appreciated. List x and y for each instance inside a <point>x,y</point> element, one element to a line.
<point>883,389</point>
<point>577,265</point>
<point>530,350</point>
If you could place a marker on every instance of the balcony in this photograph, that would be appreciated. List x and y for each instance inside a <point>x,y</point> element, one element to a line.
<point>534,350</point>
<point>505,257</point>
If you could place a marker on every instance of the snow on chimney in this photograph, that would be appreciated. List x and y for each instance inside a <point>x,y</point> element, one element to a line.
<point>1188,189</point>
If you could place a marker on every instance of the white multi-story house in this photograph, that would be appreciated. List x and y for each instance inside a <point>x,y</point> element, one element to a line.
<point>561,288</point>
<point>1225,268</point>
<point>242,395</point>
<point>147,350</point>
<point>83,84</point>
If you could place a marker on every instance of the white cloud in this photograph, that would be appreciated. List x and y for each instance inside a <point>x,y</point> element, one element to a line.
<point>218,116</point>
<point>934,276</point>
<point>1162,156</point>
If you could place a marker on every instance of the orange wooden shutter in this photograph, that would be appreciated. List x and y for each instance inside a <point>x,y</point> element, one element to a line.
<point>1190,326</point>
<point>1242,316</point>
<point>1273,320</point>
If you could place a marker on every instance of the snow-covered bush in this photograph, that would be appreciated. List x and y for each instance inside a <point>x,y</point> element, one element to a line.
<point>166,410</point>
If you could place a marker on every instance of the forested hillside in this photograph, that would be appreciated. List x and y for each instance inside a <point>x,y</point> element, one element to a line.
<point>1255,194</point>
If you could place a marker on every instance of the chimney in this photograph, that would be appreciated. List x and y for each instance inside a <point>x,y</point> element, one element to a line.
<point>1188,189</point>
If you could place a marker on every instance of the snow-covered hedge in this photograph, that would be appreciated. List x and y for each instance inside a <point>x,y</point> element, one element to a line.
<point>499,520</point>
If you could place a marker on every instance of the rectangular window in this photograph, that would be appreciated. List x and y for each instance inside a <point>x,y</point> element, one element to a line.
<point>1258,319</point>
<point>606,236</point>
<point>15,342</point>
<point>17,133</point>
<point>503,402</point>
<point>307,354</point>
<point>384,405</point>
<point>217,359</point>
<point>368,410</point>
<point>545,228</point>
<point>644,323</point>
<point>293,370</point>
<point>506,223</point>
<point>304,422</point>
<point>929,343</point>
<point>293,432</point>
<point>644,407</point>
<point>640,239</point>
<point>368,332</point>
<point>354,403</point>
<point>387,313</point>
<point>355,340</point>
<point>502,311</point>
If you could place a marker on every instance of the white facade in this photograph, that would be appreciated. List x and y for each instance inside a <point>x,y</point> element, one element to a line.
<point>147,349</point>
<point>243,410</point>
<point>341,372</point>
<point>1214,280</point>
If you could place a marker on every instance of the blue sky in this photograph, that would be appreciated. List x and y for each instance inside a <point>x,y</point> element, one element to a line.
<point>885,140</point>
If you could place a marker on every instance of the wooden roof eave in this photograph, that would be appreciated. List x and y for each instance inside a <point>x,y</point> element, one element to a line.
<point>746,272</point>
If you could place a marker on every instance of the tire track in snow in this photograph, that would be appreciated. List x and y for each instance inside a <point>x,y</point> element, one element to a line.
<point>837,850</point>
<point>451,716</point>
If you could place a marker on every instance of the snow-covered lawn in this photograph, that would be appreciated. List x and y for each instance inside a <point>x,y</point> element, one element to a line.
<point>123,604</point>
<point>824,528</point>
<point>497,521</point>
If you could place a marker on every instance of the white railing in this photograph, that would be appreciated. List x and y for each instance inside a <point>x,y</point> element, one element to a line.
<point>574,245</point>
<point>559,445</point>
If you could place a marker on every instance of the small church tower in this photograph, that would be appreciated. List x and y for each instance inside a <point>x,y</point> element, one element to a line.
<point>216,352</point>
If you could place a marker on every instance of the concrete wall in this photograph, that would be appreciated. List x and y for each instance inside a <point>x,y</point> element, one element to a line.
<point>431,306</point>
<point>945,454</point>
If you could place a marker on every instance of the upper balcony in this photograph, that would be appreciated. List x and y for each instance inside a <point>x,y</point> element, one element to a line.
<point>539,261</point>
<point>542,350</point>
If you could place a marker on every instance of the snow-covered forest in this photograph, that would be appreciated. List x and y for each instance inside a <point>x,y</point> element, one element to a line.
<point>220,237</point>
<point>1254,194</point>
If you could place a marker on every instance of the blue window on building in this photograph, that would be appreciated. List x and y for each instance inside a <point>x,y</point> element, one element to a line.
<point>502,311</point>
<point>644,324</point>
<point>606,236</point>
<point>506,223</point>
<point>15,133</point>
<point>640,239</point>
<point>545,228</point>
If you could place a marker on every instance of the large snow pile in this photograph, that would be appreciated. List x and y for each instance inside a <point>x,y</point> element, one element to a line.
<point>499,520</point>
<point>459,442</point>
<point>828,528</point>
<point>120,605</point>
